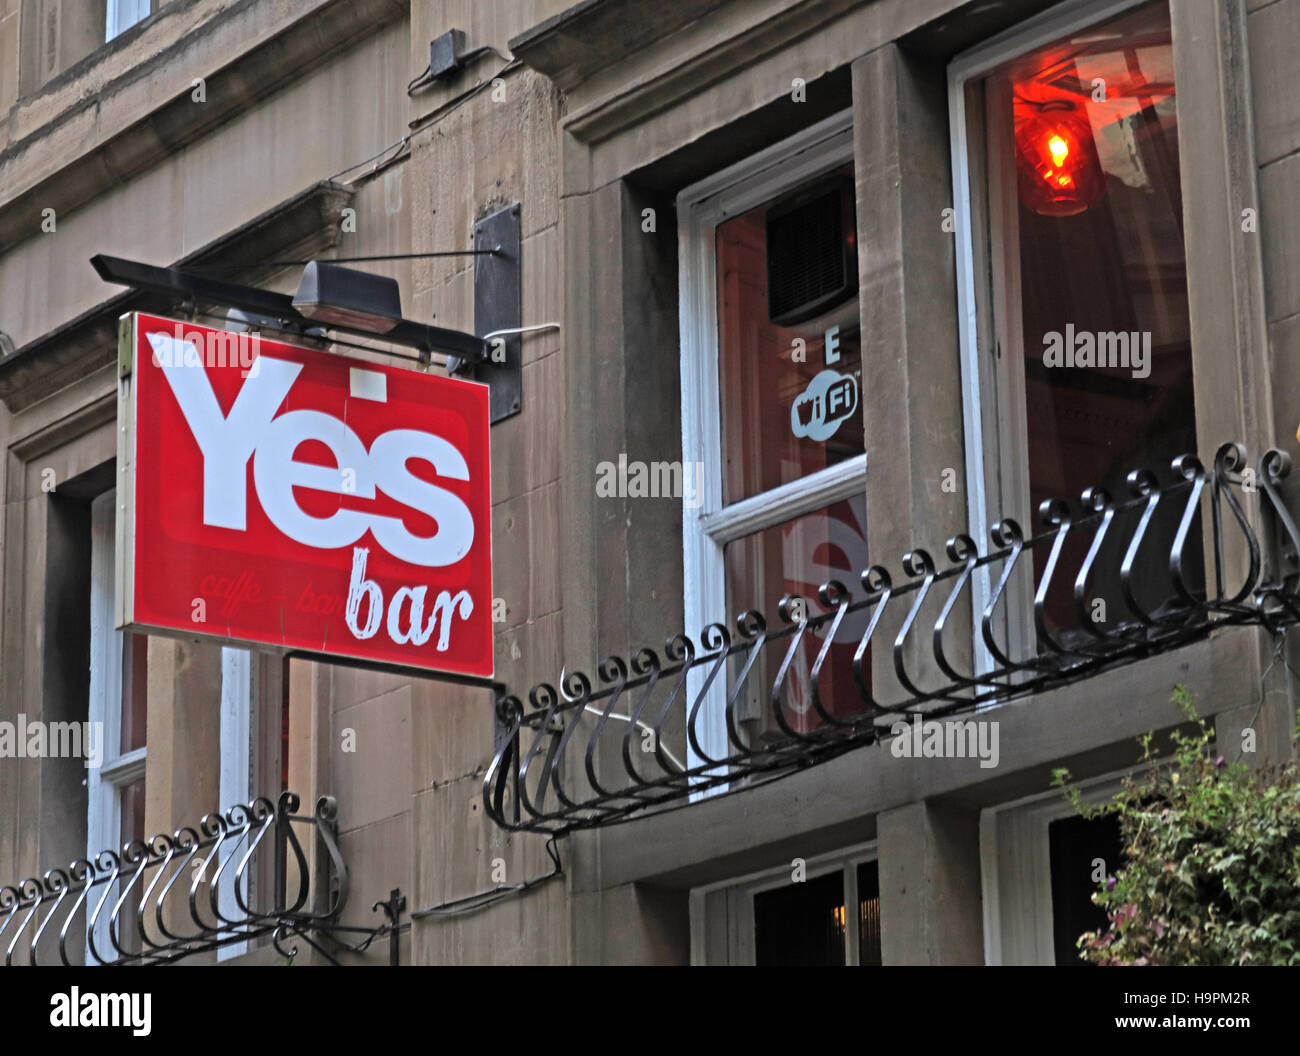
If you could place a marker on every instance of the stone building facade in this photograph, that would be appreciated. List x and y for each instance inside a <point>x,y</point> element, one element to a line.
<point>651,148</point>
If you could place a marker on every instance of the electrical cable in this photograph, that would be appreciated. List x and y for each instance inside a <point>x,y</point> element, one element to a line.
<point>1279,653</point>
<point>451,105</point>
<point>473,903</point>
<point>424,78</point>
<point>344,260</point>
<point>333,340</point>
<point>420,124</point>
<point>520,330</point>
<point>399,144</point>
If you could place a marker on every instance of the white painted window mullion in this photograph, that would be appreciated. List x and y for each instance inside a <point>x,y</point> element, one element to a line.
<point>103,798</point>
<point>706,529</point>
<point>238,685</point>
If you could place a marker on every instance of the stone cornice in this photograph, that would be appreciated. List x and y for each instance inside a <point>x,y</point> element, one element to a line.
<point>584,45</point>
<point>301,227</point>
<point>588,37</point>
<point>89,133</point>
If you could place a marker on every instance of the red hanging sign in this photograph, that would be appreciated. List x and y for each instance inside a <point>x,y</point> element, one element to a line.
<point>281,497</point>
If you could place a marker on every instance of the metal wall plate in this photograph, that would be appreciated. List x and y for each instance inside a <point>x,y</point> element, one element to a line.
<point>498,305</point>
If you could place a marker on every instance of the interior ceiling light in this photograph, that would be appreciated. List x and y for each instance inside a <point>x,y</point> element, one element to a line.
<point>1057,167</point>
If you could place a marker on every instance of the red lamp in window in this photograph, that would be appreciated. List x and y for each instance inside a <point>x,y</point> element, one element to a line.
<point>1056,160</point>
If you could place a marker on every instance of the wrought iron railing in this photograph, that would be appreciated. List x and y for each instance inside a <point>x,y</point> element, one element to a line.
<point>188,893</point>
<point>1121,580</point>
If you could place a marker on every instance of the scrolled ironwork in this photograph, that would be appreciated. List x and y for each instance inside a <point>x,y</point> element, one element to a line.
<point>991,625</point>
<point>164,899</point>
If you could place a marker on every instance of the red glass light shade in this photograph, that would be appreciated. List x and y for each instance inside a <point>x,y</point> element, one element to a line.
<point>1056,162</point>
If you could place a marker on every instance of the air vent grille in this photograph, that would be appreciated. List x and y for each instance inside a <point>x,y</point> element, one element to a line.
<point>811,265</point>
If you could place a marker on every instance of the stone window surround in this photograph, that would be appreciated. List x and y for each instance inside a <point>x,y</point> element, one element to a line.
<point>722,915</point>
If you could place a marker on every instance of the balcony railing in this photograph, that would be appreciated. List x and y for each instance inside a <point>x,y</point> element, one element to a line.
<point>185,894</point>
<point>1119,580</point>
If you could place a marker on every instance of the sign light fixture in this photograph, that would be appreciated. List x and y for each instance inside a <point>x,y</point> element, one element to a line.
<point>339,296</point>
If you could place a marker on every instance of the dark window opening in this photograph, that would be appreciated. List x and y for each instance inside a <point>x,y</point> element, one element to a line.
<point>1079,849</point>
<point>806,924</point>
<point>869,914</point>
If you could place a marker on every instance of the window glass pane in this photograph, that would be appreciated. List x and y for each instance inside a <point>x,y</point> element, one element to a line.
<point>135,685</point>
<point>132,802</point>
<point>797,558</point>
<point>1085,208</point>
<point>121,15</point>
<point>132,811</point>
<point>869,914</point>
<point>790,404</point>
<point>801,924</point>
<point>1075,845</point>
<point>284,732</point>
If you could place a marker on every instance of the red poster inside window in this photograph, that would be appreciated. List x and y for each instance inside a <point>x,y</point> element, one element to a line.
<point>281,497</point>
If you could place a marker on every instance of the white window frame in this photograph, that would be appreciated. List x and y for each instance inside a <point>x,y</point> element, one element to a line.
<point>107,644</point>
<point>104,785</point>
<point>739,895</point>
<point>976,368</point>
<point>1016,871</point>
<point>239,688</point>
<point>709,527</point>
<point>121,15</point>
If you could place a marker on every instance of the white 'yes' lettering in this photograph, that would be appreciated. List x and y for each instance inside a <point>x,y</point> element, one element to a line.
<point>251,429</point>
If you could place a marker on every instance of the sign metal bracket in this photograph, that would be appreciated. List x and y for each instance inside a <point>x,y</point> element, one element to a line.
<point>125,346</point>
<point>498,307</point>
